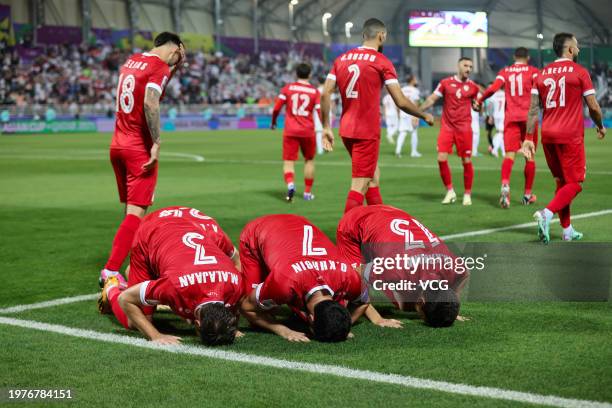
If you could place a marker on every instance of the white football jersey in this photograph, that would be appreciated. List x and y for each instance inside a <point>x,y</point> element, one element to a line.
<point>389,105</point>
<point>412,93</point>
<point>498,103</point>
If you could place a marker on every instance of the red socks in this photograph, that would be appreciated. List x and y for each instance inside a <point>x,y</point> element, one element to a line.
<point>564,197</point>
<point>530,168</point>
<point>468,177</point>
<point>289,177</point>
<point>308,184</point>
<point>113,298</point>
<point>373,196</point>
<point>445,174</point>
<point>354,199</point>
<point>123,242</point>
<point>506,170</point>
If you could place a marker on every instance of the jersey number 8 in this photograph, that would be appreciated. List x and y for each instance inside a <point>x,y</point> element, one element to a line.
<point>125,93</point>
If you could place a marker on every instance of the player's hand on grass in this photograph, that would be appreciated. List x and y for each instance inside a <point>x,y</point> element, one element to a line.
<point>167,339</point>
<point>395,324</point>
<point>528,149</point>
<point>350,335</point>
<point>428,117</point>
<point>239,334</point>
<point>328,140</point>
<point>294,336</point>
<point>601,132</point>
<point>463,319</point>
<point>154,158</point>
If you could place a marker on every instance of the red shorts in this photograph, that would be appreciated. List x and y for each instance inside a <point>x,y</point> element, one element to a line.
<point>135,185</point>
<point>514,135</point>
<point>462,139</point>
<point>364,155</point>
<point>291,145</point>
<point>566,161</point>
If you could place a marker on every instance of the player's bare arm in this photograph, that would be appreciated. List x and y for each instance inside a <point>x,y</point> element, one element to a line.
<point>328,134</point>
<point>528,148</point>
<point>152,115</point>
<point>266,320</point>
<point>429,102</point>
<point>596,115</point>
<point>406,104</point>
<point>129,300</point>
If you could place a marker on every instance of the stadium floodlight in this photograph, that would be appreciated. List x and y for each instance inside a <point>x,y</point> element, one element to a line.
<point>347,28</point>
<point>540,36</point>
<point>324,19</point>
<point>294,2</point>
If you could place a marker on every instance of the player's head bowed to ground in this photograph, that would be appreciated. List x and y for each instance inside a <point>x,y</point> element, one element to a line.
<point>402,258</point>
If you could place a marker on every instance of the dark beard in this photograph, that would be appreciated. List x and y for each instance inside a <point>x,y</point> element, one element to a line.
<point>380,48</point>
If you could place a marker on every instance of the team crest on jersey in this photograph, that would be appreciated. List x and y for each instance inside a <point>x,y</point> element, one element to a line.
<point>466,88</point>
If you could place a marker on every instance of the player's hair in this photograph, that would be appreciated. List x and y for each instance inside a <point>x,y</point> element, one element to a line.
<point>217,325</point>
<point>464,59</point>
<point>559,42</point>
<point>332,322</point>
<point>321,79</point>
<point>372,27</point>
<point>166,37</point>
<point>409,78</point>
<point>302,70</point>
<point>521,52</point>
<point>441,307</point>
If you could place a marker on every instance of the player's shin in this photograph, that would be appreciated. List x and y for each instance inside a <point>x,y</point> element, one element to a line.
<point>530,170</point>
<point>122,242</point>
<point>373,196</point>
<point>354,199</point>
<point>506,170</point>
<point>564,197</point>
<point>113,298</point>
<point>400,143</point>
<point>468,177</point>
<point>445,174</point>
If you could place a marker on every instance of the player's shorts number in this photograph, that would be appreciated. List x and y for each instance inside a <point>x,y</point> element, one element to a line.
<point>307,249</point>
<point>549,82</point>
<point>200,253</point>
<point>350,89</point>
<point>300,109</point>
<point>125,93</point>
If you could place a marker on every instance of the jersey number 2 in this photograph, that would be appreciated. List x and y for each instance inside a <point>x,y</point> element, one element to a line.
<point>350,89</point>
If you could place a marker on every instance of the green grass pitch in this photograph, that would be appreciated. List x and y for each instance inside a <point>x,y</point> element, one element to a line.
<point>59,212</point>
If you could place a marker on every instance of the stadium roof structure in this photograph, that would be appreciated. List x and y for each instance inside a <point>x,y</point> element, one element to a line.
<point>519,20</point>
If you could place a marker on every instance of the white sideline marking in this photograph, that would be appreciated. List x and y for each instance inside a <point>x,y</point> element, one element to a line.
<point>195,157</point>
<point>338,371</point>
<point>48,303</point>
<point>520,226</point>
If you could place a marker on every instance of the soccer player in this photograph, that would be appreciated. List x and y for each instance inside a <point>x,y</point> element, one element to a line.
<point>302,100</point>
<point>317,117</point>
<point>134,149</point>
<point>517,81</point>
<point>458,92</point>
<point>287,260</point>
<point>409,123</point>
<point>181,258</point>
<point>360,74</point>
<point>385,232</point>
<point>494,106</point>
<point>475,132</point>
<point>391,117</point>
<point>559,89</point>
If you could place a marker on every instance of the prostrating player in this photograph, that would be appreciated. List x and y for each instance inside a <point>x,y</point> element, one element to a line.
<point>559,88</point>
<point>458,92</point>
<point>134,150</point>
<point>494,107</point>
<point>303,100</point>
<point>409,123</point>
<point>386,232</point>
<point>181,258</point>
<point>317,117</point>
<point>287,260</point>
<point>360,74</point>
<point>517,81</point>
<point>391,117</point>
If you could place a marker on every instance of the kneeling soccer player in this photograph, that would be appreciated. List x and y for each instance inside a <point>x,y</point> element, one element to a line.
<point>287,260</point>
<point>383,232</point>
<point>180,258</point>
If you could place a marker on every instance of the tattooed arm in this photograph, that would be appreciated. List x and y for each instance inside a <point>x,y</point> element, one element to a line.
<point>151,110</point>
<point>532,119</point>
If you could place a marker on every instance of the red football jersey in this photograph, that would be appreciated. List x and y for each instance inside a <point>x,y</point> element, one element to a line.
<point>458,95</point>
<point>518,79</point>
<point>383,231</point>
<point>561,86</point>
<point>360,75</point>
<point>190,256</point>
<point>287,258</point>
<point>302,99</point>
<point>140,71</point>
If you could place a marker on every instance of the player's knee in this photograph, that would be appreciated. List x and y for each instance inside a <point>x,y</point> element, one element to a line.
<point>218,325</point>
<point>442,157</point>
<point>510,155</point>
<point>441,307</point>
<point>136,210</point>
<point>332,322</point>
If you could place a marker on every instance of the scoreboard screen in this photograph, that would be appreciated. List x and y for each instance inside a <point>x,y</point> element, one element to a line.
<point>448,29</point>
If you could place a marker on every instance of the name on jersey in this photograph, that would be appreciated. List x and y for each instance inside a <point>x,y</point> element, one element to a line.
<point>326,265</point>
<point>299,88</point>
<point>135,64</point>
<point>517,68</point>
<point>207,277</point>
<point>557,70</point>
<point>358,56</point>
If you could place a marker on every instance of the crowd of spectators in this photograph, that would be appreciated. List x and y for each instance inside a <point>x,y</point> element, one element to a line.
<point>69,77</point>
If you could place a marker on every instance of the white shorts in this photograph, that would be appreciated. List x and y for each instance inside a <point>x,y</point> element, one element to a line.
<point>405,124</point>
<point>499,123</point>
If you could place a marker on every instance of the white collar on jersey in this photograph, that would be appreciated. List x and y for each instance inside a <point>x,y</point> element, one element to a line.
<point>520,63</point>
<point>563,59</point>
<point>368,48</point>
<point>303,82</point>
<point>148,54</point>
